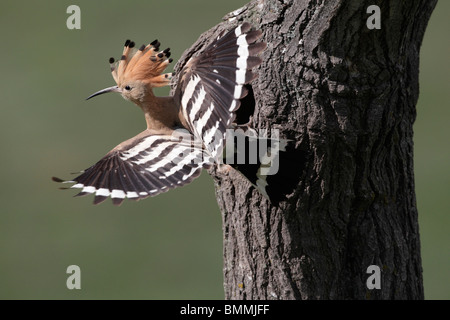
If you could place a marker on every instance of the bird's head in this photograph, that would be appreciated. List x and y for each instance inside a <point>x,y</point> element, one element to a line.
<point>138,71</point>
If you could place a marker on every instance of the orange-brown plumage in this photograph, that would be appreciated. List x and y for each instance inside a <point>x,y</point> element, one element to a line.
<point>144,65</point>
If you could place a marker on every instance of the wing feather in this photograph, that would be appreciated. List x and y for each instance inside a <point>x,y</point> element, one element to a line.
<point>144,166</point>
<point>218,76</point>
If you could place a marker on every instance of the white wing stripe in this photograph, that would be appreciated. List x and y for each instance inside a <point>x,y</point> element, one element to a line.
<point>243,53</point>
<point>237,94</point>
<point>154,153</point>
<point>216,147</point>
<point>197,104</point>
<point>233,106</point>
<point>145,144</point>
<point>187,160</point>
<point>103,192</point>
<point>201,123</point>
<point>241,64</point>
<point>172,156</point>
<point>132,194</point>
<point>188,93</point>
<point>118,194</point>
<point>186,176</point>
<point>207,138</point>
<point>238,31</point>
<point>240,77</point>
<point>89,189</point>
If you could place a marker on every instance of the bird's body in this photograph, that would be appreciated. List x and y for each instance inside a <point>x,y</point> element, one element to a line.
<point>185,132</point>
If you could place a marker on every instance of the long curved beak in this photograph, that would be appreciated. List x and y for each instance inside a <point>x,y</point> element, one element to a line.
<point>110,89</point>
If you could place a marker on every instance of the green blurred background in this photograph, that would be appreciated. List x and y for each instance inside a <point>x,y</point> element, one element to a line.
<point>170,246</point>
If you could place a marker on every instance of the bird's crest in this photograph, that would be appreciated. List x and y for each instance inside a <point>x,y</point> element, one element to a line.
<point>145,64</point>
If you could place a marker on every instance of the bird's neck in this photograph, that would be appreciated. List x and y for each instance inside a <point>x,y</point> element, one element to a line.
<point>160,113</point>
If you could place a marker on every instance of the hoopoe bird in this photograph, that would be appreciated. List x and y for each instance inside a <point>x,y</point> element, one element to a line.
<point>185,132</point>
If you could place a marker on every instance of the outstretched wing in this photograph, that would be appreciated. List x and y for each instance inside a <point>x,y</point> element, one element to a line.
<point>212,84</point>
<point>143,166</point>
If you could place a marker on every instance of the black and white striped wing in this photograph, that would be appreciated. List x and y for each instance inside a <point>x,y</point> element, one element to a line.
<point>212,84</point>
<point>144,166</point>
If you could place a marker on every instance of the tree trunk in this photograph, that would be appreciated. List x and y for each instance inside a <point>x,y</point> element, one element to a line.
<point>345,95</point>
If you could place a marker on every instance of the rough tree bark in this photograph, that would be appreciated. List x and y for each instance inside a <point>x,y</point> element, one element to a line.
<point>346,96</point>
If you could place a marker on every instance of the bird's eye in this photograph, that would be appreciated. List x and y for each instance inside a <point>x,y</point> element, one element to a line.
<point>128,88</point>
